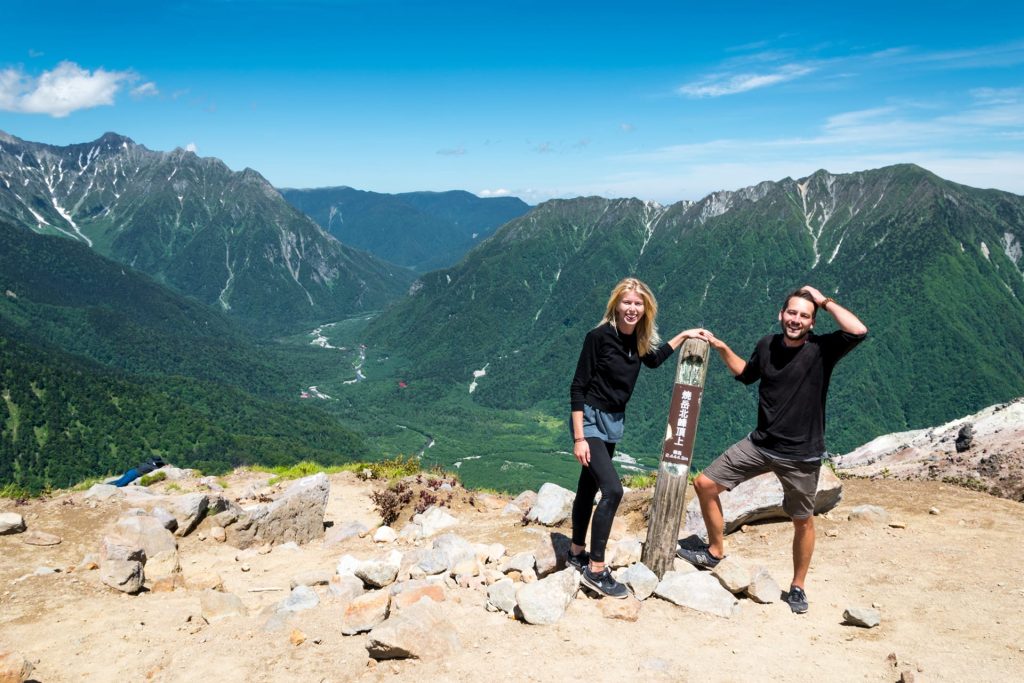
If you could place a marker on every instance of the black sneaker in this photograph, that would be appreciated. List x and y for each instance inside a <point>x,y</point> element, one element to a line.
<point>797,600</point>
<point>578,561</point>
<point>701,559</point>
<point>603,583</point>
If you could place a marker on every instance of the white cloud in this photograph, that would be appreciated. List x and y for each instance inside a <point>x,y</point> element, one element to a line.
<point>66,88</point>
<point>500,192</point>
<point>191,147</point>
<point>717,85</point>
<point>627,127</point>
<point>147,89</point>
<point>452,152</point>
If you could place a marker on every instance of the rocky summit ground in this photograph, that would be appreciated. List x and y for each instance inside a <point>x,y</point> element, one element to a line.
<point>945,573</point>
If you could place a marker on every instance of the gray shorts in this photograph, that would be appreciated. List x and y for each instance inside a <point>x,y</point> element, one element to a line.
<point>743,460</point>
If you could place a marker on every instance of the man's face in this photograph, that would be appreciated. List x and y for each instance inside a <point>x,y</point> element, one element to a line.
<point>797,320</point>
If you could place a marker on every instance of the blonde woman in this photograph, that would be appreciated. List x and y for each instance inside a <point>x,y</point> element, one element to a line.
<point>606,373</point>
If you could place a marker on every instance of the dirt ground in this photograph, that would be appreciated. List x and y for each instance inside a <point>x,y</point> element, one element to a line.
<point>949,586</point>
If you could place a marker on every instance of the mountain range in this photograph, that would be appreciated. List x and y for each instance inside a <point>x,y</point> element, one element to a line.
<point>932,267</point>
<point>225,238</point>
<point>419,230</point>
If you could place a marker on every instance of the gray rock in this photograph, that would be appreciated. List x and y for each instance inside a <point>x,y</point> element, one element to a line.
<point>420,631</point>
<point>301,598</point>
<point>298,515</point>
<point>519,562</point>
<point>147,532</point>
<point>525,500</point>
<point>189,510</point>
<point>434,561</point>
<point>460,555</point>
<point>640,579</point>
<point>11,523</point>
<point>40,538</point>
<point>169,521</point>
<point>118,548</point>
<point>216,605</point>
<point>545,601</point>
<point>347,565</point>
<point>513,510</point>
<point>162,564</point>
<point>312,577</point>
<point>553,506</point>
<point>551,553</point>
<point>365,612</point>
<point>502,595</point>
<point>965,438</point>
<point>763,588</point>
<point>103,492</point>
<point>380,572</point>
<point>624,552</point>
<point>732,574</point>
<point>346,588</point>
<point>385,534</point>
<point>123,575</point>
<point>869,514</point>
<point>864,617</point>
<point>14,668</point>
<point>339,533</point>
<point>432,521</point>
<point>699,591</point>
<point>761,498</point>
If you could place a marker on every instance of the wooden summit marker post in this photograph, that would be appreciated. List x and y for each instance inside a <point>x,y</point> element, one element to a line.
<point>667,506</point>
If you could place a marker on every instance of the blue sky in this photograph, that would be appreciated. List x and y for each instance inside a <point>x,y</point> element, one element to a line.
<point>657,100</point>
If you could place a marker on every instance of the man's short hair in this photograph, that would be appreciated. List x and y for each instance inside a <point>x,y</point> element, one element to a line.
<point>801,294</point>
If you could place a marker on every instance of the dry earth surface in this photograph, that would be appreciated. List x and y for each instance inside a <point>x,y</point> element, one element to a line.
<point>949,587</point>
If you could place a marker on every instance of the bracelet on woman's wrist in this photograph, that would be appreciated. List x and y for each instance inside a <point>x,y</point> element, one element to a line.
<point>579,439</point>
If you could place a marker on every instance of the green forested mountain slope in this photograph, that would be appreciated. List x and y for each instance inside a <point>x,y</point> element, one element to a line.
<point>419,230</point>
<point>100,367</point>
<point>933,268</point>
<point>228,239</point>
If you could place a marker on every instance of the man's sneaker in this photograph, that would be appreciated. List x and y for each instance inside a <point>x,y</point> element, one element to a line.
<point>797,600</point>
<point>701,559</point>
<point>603,583</point>
<point>578,561</point>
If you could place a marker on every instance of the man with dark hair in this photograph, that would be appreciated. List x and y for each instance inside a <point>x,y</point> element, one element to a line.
<point>794,369</point>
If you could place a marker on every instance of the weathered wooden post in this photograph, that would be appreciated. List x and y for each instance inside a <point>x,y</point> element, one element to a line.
<point>668,503</point>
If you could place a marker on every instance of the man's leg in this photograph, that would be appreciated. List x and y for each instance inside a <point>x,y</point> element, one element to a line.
<point>803,548</point>
<point>711,508</point>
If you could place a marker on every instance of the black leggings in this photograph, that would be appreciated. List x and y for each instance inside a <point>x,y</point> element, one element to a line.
<point>599,476</point>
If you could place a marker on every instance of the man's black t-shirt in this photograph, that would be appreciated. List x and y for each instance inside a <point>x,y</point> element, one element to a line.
<point>794,384</point>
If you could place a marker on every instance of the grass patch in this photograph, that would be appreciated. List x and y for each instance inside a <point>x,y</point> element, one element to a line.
<point>87,484</point>
<point>392,468</point>
<point>15,492</point>
<point>153,478</point>
<point>640,481</point>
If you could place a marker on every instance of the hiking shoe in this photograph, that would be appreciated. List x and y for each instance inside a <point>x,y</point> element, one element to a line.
<point>579,561</point>
<point>701,559</point>
<point>603,583</point>
<point>797,600</point>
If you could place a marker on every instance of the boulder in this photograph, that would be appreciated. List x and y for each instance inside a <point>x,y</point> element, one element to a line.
<point>147,532</point>
<point>123,575</point>
<point>311,577</point>
<point>118,548</point>
<point>519,562</point>
<point>432,521</point>
<point>420,631</point>
<point>640,579</point>
<point>409,593</point>
<point>553,506</point>
<point>551,553</point>
<point>337,534</point>
<point>346,588</point>
<point>365,612</point>
<point>103,492</point>
<point>162,565</point>
<point>545,601</point>
<point>217,605</point>
<point>169,521</point>
<point>11,523</point>
<point>189,510</point>
<point>761,498</point>
<point>380,572</point>
<point>385,534</point>
<point>525,500</point>
<point>41,538</point>
<point>206,580</point>
<point>624,552</point>
<point>763,588</point>
<point>732,574</point>
<point>459,555</point>
<point>699,591</point>
<point>298,515</point>
<point>501,595</point>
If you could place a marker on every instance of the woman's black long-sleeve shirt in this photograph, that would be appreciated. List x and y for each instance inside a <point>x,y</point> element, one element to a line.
<point>608,367</point>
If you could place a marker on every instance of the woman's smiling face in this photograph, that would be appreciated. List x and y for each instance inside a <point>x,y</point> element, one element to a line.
<point>629,311</point>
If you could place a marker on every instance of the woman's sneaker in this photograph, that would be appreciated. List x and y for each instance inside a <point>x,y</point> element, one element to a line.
<point>603,583</point>
<point>578,561</point>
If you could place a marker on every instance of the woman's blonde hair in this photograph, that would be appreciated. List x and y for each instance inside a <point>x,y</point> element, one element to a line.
<point>647,338</point>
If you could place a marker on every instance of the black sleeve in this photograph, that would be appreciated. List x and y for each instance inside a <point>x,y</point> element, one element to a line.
<point>840,343</point>
<point>657,356</point>
<point>586,366</point>
<point>752,372</point>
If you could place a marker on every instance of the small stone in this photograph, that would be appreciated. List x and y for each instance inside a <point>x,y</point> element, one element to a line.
<point>385,534</point>
<point>245,568</point>
<point>864,617</point>
<point>297,637</point>
<point>933,511</point>
<point>40,538</point>
<point>218,534</point>
<point>622,610</point>
<point>872,514</point>
<point>832,533</point>
<point>897,524</point>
